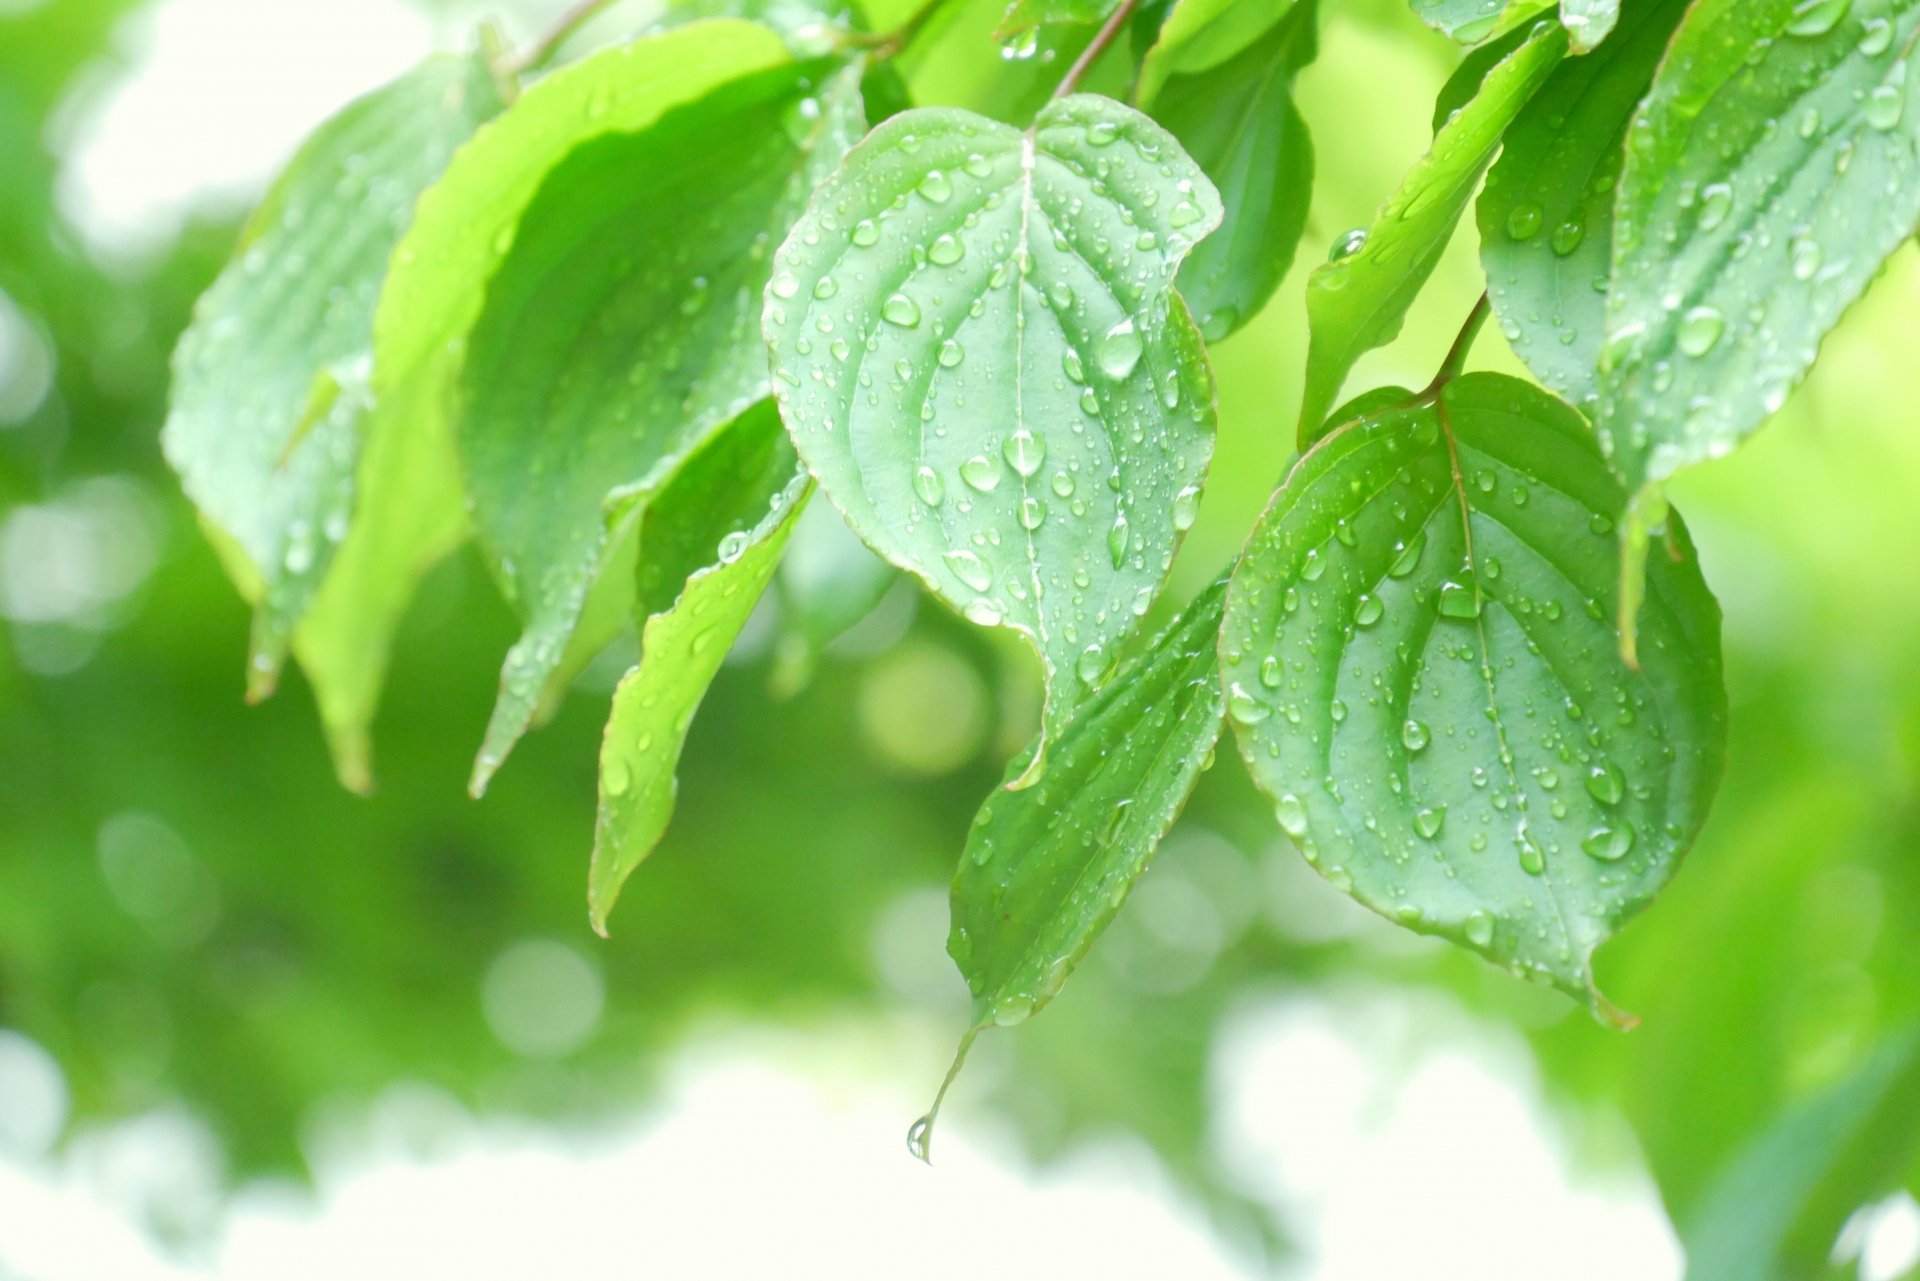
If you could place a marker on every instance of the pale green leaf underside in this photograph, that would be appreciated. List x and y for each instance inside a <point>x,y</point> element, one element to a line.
<point>1770,172</point>
<point>1023,14</point>
<point>710,544</point>
<point>1420,662</point>
<point>1546,215</point>
<point>1357,302</point>
<point>1046,869</point>
<point>1239,123</point>
<point>1031,442</point>
<point>271,381</point>
<point>1471,21</point>
<point>1201,34</point>
<point>619,333</point>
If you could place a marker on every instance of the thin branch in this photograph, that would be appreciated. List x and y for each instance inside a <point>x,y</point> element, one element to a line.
<point>1091,54</point>
<point>1457,356</point>
<point>549,42</point>
<point>893,43</point>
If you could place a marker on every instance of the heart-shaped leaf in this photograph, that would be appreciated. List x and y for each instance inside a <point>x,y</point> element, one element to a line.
<point>1239,122</point>
<point>1356,301</point>
<point>1546,215</point>
<point>1419,659</point>
<point>978,351</point>
<point>271,387</point>
<point>710,543</point>
<point>1770,171</point>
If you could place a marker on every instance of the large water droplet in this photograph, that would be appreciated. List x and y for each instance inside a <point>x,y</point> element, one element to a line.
<point>1347,244</point>
<point>1414,734</point>
<point>1817,17</point>
<point>825,287</point>
<point>945,251</point>
<point>970,569</point>
<point>1184,214</point>
<point>901,310</point>
<point>1885,103</point>
<point>1025,452</point>
<point>1033,513</point>
<point>1568,235</point>
<point>1805,257</point>
<point>1117,540</point>
<point>980,472</point>
<point>1609,844</point>
<point>1246,709</point>
<point>981,612</point>
<point>734,546</point>
<point>1092,665</point>
<point>935,187</point>
<point>1120,350</point>
<point>1524,221</point>
<point>785,286</point>
<point>1716,202</point>
<point>1479,928</point>
<point>1270,673</point>
<point>617,777</point>
<point>1409,558</point>
<point>1292,816</point>
<point>866,233</point>
<point>951,354</point>
<point>1186,508</point>
<point>1102,133</point>
<point>1606,784</point>
<point>1429,822</point>
<point>1877,37</point>
<point>1459,600</point>
<point>927,483</point>
<point>1700,330</point>
<point>1368,611</point>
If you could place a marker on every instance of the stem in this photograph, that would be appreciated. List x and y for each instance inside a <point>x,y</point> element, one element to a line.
<point>1091,54</point>
<point>549,42</point>
<point>1457,356</point>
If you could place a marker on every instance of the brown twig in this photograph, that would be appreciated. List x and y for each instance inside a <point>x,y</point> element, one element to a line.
<point>1091,54</point>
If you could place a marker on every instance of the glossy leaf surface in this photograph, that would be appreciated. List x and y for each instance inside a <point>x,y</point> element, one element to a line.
<point>1471,21</point>
<point>618,334</point>
<point>1546,215</point>
<point>1239,123</point>
<point>1769,173</point>
<point>977,348</point>
<point>1419,659</point>
<point>1047,868</point>
<point>1201,34</point>
<point>1589,22</point>
<point>1357,301</point>
<point>709,546</point>
<point>1023,15</point>
<point>272,381</point>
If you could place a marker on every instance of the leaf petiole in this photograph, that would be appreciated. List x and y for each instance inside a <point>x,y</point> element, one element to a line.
<point>1456,359</point>
<point>1091,54</point>
<point>541,51</point>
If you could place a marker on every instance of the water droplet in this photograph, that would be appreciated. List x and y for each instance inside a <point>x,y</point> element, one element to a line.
<point>901,310</point>
<point>981,612</point>
<point>1805,256</point>
<point>970,569</point>
<point>1609,844</point>
<point>1817,17</point>
<point>1142,602</point>
<point>1186,508</point>
<point>935,187</point>
<point>734,546</point>
<point>1568,235</point>
<point>977,165</point>
<point>1599,524</point>
<point>1102,133</point>
<point>1033,513</point>
<point>1368,611</point>
<point>1700,330</point>
<point>1092,665</point>
<point>1458,600</point>
<point>1479,928</point>
<point>1025,452</point>
<point>1184,214</point>
<point>980,472</point>
<point>1606,784</point>
<point>1533,860</point>
<point>1809,122</point>
<point>1348,244</point>
<point>1246,709</point>
<point>1524,221</point>
<point>824,287</point>
<point>1409,558</point>
<point>951,354</point>
<point>1885,103</point>
<point>1314,565</point>
<point>1063,484</point>
<point>1120,350</point>
<point>1270,673</point>
<point>866,233</point>
<point>945,251</point>
<point>927,483</point>
<point>1415,735</point>
<point>1716,202</point>
<point>1878,36</point>
<point>1117,540</point>
<point>840,348</point>
<point>1292,816</point>
<point>785,286</point>
<point>1429,822</point>
<point>617,777</point>
<point>1070,362</point>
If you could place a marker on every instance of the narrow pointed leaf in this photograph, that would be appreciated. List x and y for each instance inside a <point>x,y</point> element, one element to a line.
<point>1546,216</point>
<point>1239,123</point>
<point>1046,869</point>
<point>710,544</point>
<point>271,388</point>
<point>1419,661</point>
<point>978,351</point>
<point>1769,173</point>
<point>1356,302</point>
<point>1201,34</point>
<point>619,333</point>
<point>1471,21</point>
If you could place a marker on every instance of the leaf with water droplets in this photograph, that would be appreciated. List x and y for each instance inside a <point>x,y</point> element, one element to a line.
<point>1024,15</point>
<point>711,542</point>
<point>272,380</point>
<point>1356,302</point>
<point>1060,445</point>
<point>1239,122</point>
<point>1769,173</point>
<point>1589,22</point>
<point>647,297</point>
<point>1491,727</point>
<point>1555,181</point>
<point>1471,21</point>
<point>1046,869</point>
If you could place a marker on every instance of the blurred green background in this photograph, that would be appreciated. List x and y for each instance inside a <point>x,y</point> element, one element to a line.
<point>192,912</point>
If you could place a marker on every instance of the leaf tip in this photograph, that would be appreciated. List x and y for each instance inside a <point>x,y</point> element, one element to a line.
<point>1608,1014</point>
<point>920,1133</point>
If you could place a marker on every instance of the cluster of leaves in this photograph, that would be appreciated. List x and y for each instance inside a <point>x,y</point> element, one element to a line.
<point>619,326</point>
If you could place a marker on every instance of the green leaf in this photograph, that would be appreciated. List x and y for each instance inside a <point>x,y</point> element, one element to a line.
<point>979,353</point>
<point>1464,84</point>
<point>1588,22</point>
<point>1419,663</point>
<point>271,386</point>
<point>1356,301</point>
<point>1778,1206</point>
<point>1201,34</point>
<point>1024,15</point>
<point>1770,171</point>
<point>829,581</point>
<point>1471,21</point>
<point>1239,123</point>
<point>1047,868</point>
<point>1546,215</point>
<point>712,540</point>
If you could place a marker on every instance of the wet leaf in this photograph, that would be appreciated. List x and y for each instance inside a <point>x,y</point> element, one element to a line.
<point>1546,215</point>
<point>710,543</point>
<point>1588,22</point>
<point>1471,21</point>
<point>1239,123</point>
<point>1023,15</point>
<point>1419,661</point>
<point>618,334</point>
<point>272,380</point>
<point>1201,34</point>
<point>978,352</point>
<point>1770,171</point>
<point>1356,301</point>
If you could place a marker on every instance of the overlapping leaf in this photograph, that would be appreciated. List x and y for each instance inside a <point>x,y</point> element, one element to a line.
<point>710,544</point>
<point>1546,215</point>
<point>1201,34</point>
<point>1023,15</point>
<point>1471,21</point>
<point>1239,123</point>
<point>619,333</point>
<point>1419,660</point>
<point>1357,301</point>
<point>1769,173</point>
<point>272,381</point>
<point>977,348</point>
